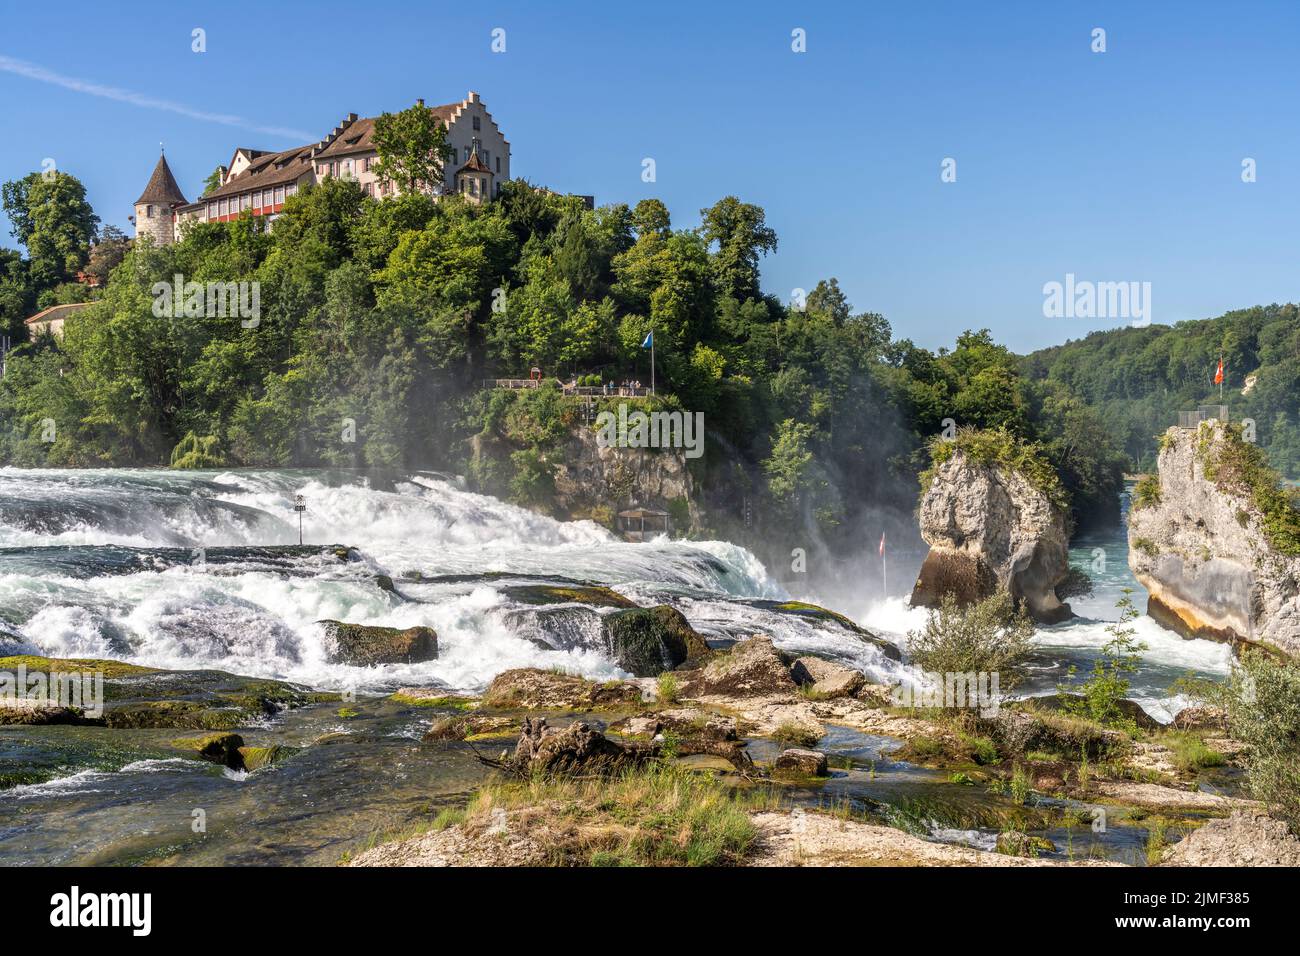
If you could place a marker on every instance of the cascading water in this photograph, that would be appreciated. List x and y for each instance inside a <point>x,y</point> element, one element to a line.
<point>173,570</point>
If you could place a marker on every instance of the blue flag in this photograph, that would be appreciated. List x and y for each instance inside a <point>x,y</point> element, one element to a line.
<point>649,340</point>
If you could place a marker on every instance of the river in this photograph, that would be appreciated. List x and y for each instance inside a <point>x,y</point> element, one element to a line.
<point>167,569</point>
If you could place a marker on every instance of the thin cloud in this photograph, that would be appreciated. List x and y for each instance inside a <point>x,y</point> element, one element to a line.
<point>40,74</point>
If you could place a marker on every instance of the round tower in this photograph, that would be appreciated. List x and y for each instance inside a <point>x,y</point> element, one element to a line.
<point>155,210</point>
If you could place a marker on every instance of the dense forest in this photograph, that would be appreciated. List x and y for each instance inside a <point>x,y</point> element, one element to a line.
<point>1138,379</point>
<point>390,314</point>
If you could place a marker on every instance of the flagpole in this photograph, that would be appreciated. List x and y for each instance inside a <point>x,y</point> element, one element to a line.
<point>652,360</point>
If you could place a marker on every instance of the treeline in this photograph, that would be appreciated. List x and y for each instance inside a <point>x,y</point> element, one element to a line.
<point>380,319</point>
<point>1138,379</point>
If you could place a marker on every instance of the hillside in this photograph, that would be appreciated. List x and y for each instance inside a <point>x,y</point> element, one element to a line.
<point>1138,379</point>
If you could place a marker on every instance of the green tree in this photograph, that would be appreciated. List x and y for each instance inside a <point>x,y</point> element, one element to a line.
<point>412,148</point>
<point>49,214</point>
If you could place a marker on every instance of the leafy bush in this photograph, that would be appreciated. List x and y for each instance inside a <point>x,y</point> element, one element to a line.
<point>990,636</point>
<point>1262,698</point>
<point>1146,493</point>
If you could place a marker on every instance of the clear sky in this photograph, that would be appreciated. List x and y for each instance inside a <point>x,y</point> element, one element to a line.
<point>1117,166</point>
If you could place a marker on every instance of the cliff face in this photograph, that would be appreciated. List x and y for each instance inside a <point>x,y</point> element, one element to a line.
<point>988,527</point>
<point>1199,549</point>
<point>589,478</point>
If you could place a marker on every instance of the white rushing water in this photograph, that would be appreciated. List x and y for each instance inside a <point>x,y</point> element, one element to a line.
<point>69,587</point>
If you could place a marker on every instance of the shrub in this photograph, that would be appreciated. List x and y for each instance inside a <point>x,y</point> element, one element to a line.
<point>792,734</point>
<point>1108,685</point>
<point>991,636</point>
<point>1146,493</point>
<point>668,688</point>
<point>1262,698</point>
<point>1240,467</point>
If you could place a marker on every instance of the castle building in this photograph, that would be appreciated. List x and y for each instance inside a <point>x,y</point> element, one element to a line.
<point>259,181</point>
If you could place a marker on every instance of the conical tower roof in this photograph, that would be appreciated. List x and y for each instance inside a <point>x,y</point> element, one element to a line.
<point>162,189</point>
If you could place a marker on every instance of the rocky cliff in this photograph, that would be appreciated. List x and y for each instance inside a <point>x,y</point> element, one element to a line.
<point>1205,548</point>
<point>596,481</point>
<point>989,526</point>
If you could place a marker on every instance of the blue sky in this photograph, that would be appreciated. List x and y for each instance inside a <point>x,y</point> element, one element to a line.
<point>1115,166</point>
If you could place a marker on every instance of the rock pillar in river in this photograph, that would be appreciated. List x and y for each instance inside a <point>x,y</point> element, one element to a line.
<point>990,527</point>
<point>1198,541</point>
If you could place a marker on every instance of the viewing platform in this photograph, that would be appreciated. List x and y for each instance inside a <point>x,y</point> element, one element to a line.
<point>1204,413</point>
<point>610,390</point>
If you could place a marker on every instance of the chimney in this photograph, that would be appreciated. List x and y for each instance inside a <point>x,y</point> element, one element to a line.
<point>473,97</point>
<point>420,101</point>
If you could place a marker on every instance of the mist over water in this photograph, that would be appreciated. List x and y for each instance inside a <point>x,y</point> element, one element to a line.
<point>108,563</point>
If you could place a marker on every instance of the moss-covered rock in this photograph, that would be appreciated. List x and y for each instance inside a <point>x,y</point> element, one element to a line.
<point>219,748</point>
<point>472,727</point>
<point>432,697</point>
<point>591,595</point>
<point>365,645</point>
<point>64,665</point>
<point>649,641</point>
<point>1015,843</point>
<point>257,758</point>
<point>22,711</point>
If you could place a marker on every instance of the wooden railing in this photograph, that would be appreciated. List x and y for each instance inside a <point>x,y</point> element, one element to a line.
<point>599,391</point>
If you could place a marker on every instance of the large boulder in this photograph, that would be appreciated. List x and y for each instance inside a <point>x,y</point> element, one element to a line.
<point>989,527</point>
<point>648,641</point>
<point>530,688</point>
<point>364,645</point>
<point>796,762</point>
<point>1247,838</point>
<point>752,668</point>
<point>825,679</point>
<point>1199,543</point>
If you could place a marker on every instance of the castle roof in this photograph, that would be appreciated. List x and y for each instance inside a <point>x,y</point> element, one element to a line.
<point>267,169</point>
<point>162,189</point>
<point>359,135</point>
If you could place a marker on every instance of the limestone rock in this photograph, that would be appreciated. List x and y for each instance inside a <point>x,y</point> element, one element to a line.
<point>752,668</point>
<point>532,689</point>
<point>989,527</point>
<point>364,645</point>
<point>1246,838</point>
<point>590,479</point>
<point>1198,548</point>
<point>797,762</point>
<point>826,679</point>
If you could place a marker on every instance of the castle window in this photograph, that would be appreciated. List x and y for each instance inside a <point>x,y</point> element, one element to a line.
<point>225,207</point>
<point>279,195</point>
<point>498,164</point>
<point>148,212</point>
<point>291,189</point>
<point>476,122</point>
